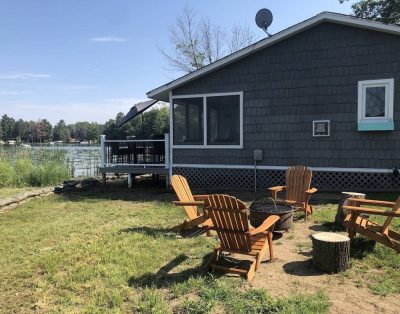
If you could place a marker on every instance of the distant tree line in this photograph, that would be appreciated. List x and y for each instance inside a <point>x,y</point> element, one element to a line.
<point>151,124</point>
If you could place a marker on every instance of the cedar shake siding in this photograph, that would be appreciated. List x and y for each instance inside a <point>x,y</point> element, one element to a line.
<point>310,76</point>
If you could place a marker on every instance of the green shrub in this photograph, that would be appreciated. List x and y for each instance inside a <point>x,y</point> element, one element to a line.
<point>22,170</point>
<point>48,174</point>
<point>25,169</point>
<point>6,174</point>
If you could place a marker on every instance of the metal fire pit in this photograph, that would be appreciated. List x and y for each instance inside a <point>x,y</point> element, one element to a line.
<point>263,208</point>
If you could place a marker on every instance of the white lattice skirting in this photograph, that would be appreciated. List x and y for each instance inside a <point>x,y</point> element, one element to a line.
<point>243,179</point>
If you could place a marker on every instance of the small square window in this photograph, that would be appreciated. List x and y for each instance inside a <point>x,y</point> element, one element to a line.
<point>375,102</point>
<point>321,128</point>
<point>375,105</point>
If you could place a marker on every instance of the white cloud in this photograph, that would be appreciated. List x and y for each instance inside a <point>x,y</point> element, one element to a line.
<point>108,39</point>
<point>79,87</point>
<point>23,76</point>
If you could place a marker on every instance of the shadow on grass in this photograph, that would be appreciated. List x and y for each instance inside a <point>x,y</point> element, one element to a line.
<point>163,278</point>
<point>301,268</point>
<point>164,232</point>
<point>327,226</point>
<point>361,247</point>
<point>150,232</point>
<point>118,190</point>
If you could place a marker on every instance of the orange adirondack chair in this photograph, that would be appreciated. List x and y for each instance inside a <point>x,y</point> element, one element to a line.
<point>231,223</point>
<point>379,233</point>
<point>191,204</point>
<point>298,191</point>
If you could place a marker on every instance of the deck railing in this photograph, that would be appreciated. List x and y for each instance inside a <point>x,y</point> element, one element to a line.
<point>140,153</point>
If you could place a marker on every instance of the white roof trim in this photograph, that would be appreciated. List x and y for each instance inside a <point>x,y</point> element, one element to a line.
<point>322,17</point>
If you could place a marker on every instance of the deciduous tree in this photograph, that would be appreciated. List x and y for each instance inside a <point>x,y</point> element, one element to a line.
<point>387,11</point>
<point>196,43</point>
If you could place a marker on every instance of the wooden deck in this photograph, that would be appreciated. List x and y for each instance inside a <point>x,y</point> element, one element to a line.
<point>134,157</point>
<point>133,169</point>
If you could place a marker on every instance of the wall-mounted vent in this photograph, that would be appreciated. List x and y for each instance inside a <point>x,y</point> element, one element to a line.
<point>321,128</point>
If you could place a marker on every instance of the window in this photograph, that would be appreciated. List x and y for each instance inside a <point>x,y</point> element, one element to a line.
<point>223,120</point>
<point>213,120</point>
<point>375,105</point>
<point>188,121</point>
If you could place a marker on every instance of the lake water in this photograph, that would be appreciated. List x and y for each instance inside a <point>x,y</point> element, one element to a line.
<point>84,160</point>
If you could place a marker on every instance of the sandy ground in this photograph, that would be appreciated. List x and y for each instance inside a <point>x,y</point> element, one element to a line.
<point>292,272</point>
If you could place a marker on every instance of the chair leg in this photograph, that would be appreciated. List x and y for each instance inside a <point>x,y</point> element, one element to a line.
<point>250,273</point>
<point>307,210</point>
<point>258,260</point>
<point>271,248</point>
<point>214,257</point>
<point>352,234</point>
<point>208,233</point>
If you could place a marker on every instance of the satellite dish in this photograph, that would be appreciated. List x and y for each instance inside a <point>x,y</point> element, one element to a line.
<point>264,19</point>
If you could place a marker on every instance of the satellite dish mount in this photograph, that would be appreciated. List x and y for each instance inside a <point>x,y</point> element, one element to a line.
<point>264,19</point>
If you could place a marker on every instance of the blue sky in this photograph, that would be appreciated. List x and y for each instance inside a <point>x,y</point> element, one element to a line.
<point>87,60</point>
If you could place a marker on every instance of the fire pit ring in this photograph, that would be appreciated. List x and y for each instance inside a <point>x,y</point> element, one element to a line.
<point>262,208</point>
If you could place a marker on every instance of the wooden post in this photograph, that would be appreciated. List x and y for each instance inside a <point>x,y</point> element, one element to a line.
<point>104,178</point>
<point>331,252</point>
<point>341,213</point>
<point>131,179</point>
<point>102,151</point>
<point>168,158</point>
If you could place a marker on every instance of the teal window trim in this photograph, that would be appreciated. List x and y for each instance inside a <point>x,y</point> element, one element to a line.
<point>376,126</point>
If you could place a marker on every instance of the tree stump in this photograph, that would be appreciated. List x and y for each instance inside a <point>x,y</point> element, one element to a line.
<point>342,213</point>
<point>331,252</point>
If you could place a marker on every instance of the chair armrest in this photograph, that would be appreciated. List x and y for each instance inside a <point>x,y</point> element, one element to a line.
<point>311,191</point>
<point>195,203</point>
<point>268,223</point>
<point>372,211</point>
<point>371,202</point>
<point>277,188</point>
<point>200,197</point>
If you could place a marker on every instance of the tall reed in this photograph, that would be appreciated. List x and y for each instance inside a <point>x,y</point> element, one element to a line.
<point>19,167</point>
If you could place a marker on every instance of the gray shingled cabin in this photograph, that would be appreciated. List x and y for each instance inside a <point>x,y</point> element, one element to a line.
<point>323,93</point>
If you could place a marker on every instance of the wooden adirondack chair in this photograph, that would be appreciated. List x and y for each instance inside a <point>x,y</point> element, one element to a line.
<point>355,223</point>
<point>231,223</point>
<point>191,204</point>
<point>298,191</point>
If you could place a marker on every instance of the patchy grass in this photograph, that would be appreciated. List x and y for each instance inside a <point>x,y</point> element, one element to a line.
<point>9,192</point>
<point>373,265</point>
<point>208,293</point>
<point>112,252</point>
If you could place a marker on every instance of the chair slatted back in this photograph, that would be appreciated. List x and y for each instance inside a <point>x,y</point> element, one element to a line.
<point>182,190</point>
<point>230,221</point>
<point>396,209</point>
<point>298,180</point>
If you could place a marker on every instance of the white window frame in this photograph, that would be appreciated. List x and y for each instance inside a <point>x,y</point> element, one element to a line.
<point>321,121</point>
<point>204,96</point>
<point>389,99</point>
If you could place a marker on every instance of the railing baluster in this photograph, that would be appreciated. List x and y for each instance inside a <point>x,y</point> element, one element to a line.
<point>135,152</point>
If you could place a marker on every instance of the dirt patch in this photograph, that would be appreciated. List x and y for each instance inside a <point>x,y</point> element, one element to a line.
<point>292,272</point>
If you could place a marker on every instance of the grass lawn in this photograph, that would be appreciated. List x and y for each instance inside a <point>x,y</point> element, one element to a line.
<point>112,252</point>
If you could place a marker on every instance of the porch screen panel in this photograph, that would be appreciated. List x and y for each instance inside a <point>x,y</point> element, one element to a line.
<point>223,120</point>
<point>188,121</point>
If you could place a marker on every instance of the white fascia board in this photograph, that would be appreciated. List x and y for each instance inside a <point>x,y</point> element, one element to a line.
<point>323,169</point>
<point>322,17</point>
